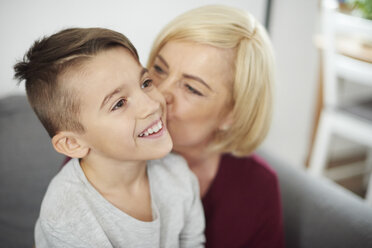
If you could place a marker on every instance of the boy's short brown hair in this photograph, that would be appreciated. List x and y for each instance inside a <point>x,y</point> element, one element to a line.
<point>44,65</point>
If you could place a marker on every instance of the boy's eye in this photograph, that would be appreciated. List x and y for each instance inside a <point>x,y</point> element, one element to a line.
<point>192,90</point>
<point>147,83</point>
<point>119,104</point>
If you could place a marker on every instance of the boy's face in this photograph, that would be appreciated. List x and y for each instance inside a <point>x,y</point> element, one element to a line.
<point>123,113</point>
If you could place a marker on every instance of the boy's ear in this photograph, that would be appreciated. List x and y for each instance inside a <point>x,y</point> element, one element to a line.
<point>69,144</point>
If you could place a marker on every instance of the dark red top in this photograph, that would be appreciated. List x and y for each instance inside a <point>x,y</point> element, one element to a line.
<point>242,206</point>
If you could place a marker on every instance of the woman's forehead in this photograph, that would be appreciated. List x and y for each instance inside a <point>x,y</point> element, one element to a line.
<point>206,61</point>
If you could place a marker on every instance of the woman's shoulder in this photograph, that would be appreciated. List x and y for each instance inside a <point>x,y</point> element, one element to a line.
<point>252,173</point>
<point>252,165</point>
<point>246,191</point>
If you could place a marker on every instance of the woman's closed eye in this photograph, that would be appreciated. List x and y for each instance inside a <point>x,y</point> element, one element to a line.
<point>193,90</point>
<point>121,103</point>
<point>158,69</point>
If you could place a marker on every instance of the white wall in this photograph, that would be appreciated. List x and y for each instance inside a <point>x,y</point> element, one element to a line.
<point>293,23</point>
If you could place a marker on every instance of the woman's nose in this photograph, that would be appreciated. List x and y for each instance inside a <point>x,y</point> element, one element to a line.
<point>168,97</point>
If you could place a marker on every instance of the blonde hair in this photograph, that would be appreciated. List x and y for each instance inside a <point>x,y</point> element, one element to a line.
<point>227,27</point>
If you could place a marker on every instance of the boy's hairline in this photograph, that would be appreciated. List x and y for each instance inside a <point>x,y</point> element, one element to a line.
<point>47,72</point>
<point>73,70</point>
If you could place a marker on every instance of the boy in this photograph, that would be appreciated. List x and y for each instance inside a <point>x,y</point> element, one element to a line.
<point>99,107</point>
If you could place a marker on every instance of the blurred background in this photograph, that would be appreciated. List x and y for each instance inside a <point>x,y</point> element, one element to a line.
<point>296,29</point>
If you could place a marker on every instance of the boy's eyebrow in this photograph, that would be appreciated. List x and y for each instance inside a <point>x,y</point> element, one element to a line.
<point>114,92</point>
<point>196,79</point>
<point>162,60</point>
<point>109,96</point>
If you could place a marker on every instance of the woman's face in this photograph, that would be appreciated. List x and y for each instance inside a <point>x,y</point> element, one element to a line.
<point>196,81</point>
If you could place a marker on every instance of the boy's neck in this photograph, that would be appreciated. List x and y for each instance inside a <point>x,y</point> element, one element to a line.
<point>109,175</point>
<point>124,184</point>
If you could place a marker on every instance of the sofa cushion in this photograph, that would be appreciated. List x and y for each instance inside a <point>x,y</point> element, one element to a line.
<point>27,164</point>
<point>318,212</point>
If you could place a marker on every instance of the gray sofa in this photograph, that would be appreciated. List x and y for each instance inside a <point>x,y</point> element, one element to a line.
<point>317,213</point>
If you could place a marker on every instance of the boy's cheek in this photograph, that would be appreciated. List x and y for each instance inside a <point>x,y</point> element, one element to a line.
<point>159,97</point>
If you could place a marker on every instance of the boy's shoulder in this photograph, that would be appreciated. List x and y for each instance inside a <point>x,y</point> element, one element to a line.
<point>63,197</point>
<point>172,162</point>
<point>173,173</point>
<point>170,165</point>
<point>68,214</point>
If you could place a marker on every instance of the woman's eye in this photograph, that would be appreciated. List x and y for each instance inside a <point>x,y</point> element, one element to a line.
<point>158,69</point>
<point>119,104</point>
<point>147,83</point>
<point>193,91</point>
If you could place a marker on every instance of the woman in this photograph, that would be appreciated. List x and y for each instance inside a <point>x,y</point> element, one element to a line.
<point>214,66</point>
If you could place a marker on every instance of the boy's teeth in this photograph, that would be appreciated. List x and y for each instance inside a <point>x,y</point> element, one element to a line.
<point>153,129</point>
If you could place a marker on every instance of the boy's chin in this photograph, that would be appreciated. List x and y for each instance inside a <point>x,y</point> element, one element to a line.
<point>166,149</point>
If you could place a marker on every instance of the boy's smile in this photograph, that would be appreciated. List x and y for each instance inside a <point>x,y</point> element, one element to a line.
<point>123,114</point>
<point>155,130</point>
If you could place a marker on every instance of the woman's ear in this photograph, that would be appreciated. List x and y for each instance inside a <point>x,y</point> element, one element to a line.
<point>226,122</point>
<point>70,145</point>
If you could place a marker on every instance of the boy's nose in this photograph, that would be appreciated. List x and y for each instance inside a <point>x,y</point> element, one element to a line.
<point>148,106</point>
<point>166,89</point>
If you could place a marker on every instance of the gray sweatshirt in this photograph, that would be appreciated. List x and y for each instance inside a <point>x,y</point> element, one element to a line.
<point>74,214</point>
